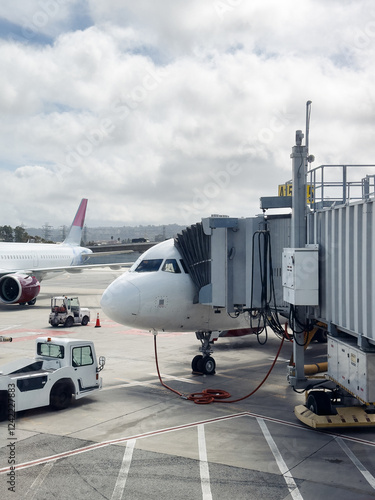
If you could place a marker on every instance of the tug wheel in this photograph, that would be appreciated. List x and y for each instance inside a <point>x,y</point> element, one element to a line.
<point>69,322</point>
<point>85,320</point>
<point>61,395</point>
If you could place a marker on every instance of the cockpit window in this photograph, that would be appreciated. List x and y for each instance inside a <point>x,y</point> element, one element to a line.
<point>148,266</point>
<point>171,266</point>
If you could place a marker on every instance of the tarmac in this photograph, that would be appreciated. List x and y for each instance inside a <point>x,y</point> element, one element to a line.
<point>137,440</point>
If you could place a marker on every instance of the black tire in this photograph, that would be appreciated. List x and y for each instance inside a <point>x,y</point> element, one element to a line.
<point>85,320</point>
<point>3,405</point>
<point>69,322</point>
<point>32,302</point>
<point>319,403</point>
<point>194,363</point>
<point>321,336</point>
<point>207,365</point>
<point>61,395</point>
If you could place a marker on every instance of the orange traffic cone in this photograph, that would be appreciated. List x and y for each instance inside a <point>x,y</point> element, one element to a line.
<point>97,325</point>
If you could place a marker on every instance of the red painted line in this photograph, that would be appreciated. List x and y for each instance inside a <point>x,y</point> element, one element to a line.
<point>38,333</point>
<point>104,444</point>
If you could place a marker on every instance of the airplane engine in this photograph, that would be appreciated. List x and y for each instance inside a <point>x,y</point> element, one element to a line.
<point>19,288</point>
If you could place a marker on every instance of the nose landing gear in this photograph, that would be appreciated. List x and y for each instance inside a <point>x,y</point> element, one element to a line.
<point>204,363</point>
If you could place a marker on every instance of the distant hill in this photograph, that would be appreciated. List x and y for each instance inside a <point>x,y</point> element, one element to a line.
<point>122,234</point>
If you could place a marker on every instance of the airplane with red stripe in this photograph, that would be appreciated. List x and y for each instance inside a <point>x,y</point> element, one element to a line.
<point>24,265</point>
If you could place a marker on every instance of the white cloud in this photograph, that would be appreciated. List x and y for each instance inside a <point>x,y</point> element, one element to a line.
<point>167,112</point>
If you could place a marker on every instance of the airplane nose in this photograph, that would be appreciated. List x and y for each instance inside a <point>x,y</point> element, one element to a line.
<point>121,301</point>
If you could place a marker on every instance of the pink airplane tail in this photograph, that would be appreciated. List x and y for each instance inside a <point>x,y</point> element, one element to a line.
<point>75,232</point>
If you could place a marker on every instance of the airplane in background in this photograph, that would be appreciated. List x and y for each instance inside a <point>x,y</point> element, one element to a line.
<point>157,293</point>
<point>24,265</point>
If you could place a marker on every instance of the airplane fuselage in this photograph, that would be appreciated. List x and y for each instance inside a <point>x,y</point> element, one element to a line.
<point>15,257</point>
<point>157,293</point>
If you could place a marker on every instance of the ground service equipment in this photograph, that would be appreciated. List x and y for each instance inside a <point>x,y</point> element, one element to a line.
<point>62,368</point>
<point>67,311</point>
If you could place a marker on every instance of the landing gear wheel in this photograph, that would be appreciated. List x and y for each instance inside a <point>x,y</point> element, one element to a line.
<point>194,363</point>
<point>319,403</point>
<point>207,365</point>
<point>61,396</point>
<point>69,322</point>
<point>32,302</point>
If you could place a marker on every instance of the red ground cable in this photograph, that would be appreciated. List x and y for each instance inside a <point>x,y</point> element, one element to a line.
<point>208,396</point>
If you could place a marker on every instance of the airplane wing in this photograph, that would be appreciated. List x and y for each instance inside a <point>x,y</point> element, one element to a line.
<point>104,254</point>
<point>41,273</point>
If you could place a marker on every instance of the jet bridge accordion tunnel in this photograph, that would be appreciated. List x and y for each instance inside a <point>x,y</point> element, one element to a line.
<point>236,263</point>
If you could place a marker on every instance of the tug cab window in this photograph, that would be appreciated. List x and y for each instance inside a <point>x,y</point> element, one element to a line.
<point>82,356</point>
<point>148,266</point>
<point>171,266</point>
<point>51,350</point>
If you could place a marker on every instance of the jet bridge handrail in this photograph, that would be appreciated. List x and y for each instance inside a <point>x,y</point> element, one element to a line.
<point>332,185</point>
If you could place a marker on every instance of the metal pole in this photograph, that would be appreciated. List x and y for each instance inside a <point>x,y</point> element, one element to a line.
<point>299,236</point>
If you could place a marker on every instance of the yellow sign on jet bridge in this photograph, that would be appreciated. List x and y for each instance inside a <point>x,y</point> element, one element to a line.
<point>287,190</point>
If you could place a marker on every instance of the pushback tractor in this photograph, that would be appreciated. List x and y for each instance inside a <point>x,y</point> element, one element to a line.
<point>62,369</point>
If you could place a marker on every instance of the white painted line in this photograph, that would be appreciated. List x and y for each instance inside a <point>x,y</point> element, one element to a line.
<point>124,471</point>
<point>33,490</point>
<point>292,486</point>
<point>179,379</point>
<point>203,464</point>
<point>158,432</point>
<point>362,469</point>
<point>9,327</point>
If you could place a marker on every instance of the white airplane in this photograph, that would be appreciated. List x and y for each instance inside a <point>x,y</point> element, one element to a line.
<point>24,265</point>
<point>157,293</point>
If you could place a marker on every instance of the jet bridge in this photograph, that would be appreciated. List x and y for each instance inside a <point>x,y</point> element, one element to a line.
<point>314,266</point>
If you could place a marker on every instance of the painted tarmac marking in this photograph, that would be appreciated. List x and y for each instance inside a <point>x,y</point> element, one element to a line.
<point>284,469</point>
<point>34,334</point>
<point>203,464</point>
<point>179,379</point>
<point>362,469</point>
<point>9,327</point>
<point>124,470</point>
<point>103,444</point>
<point>33,490</point>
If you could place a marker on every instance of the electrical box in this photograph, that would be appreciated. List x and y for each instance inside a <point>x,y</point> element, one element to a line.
<point>352,368</point>
<point>300,275</point>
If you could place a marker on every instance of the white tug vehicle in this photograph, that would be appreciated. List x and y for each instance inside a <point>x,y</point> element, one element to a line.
<point>63,368</point>
<point>67,311</point>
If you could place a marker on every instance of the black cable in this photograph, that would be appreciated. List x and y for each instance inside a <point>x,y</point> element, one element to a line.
<point>267,315</point>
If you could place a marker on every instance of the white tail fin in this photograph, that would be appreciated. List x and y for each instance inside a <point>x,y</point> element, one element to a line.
<point>75,231</point>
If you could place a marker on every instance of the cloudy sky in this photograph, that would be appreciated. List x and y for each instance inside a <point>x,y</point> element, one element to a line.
<point>167,111</point>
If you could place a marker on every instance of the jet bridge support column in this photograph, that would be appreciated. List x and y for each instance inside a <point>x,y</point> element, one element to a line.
<point>298,240</point>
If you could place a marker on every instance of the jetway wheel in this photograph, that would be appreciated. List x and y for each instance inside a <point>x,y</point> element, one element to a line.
<point>321,336</point>
<point>319,403</point>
